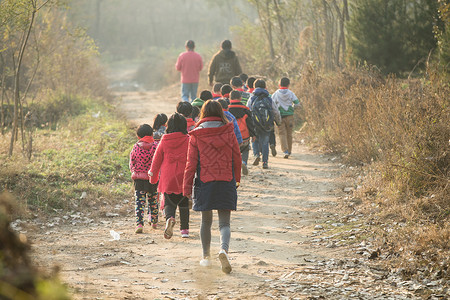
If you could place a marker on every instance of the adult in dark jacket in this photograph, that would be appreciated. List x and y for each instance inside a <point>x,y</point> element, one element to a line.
<point>224,65</point>
<point>215,161</point>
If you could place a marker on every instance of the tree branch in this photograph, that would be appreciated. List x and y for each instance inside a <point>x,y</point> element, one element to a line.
<point>43,4</point>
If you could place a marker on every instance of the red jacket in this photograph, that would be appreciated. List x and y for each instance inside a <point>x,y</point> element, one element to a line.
<point>216,150</point>
<point>190,124</point>
<point>169,163</point>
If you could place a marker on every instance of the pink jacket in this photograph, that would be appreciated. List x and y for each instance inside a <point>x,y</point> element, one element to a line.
<point>141,158</point>
<point>169,163</point>
<point>190,64</point>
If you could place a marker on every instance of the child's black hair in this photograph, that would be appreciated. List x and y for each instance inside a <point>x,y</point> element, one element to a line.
<point>195,112</point>
<point>217,87</point>
<point>226,89</point>
<point>285,82</point>
<point>159,120</point>
<point>223,103</point>
<point>235,95</point>
<point>250,82</point>
<point>243,77</point>
<point>260,83</point>
<point>144,130</point>
<point>177,123</point>
<point>184,108</point>
<point>206,95</point>
<point>236,82</point>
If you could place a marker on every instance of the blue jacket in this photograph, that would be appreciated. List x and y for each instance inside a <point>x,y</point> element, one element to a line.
<point>260,91</point>
<point>237,131</point>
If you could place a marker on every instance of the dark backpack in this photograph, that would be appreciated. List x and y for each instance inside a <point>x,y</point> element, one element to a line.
<point>262,113</point>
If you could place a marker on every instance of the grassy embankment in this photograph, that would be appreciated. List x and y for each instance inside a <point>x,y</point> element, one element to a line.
<point>397,133</point>
<point>84,149</point>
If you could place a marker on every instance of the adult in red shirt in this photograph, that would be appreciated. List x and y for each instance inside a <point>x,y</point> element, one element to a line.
<point>190,64</point>
<point>215,161</point>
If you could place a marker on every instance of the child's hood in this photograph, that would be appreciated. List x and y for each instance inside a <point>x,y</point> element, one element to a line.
<point>227,54</point>
<point>284,94</point>
<point>211,127</point>
<point>145,143</point>
<point>212,132</point>
<point>260,91</point>
<point>198,102</point>
<point>175,140</point>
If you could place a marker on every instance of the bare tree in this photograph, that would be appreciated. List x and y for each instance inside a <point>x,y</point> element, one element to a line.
<point>33,8</point>
<point>266,22</point>
<point>342,16</point>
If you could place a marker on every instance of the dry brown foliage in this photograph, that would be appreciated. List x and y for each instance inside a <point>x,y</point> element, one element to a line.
<point>400,131</point>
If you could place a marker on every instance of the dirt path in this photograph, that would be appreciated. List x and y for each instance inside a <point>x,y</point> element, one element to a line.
<point>288,240</point>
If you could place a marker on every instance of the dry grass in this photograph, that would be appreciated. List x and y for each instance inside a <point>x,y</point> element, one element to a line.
<point>399,130</point>
<point>83,153</point>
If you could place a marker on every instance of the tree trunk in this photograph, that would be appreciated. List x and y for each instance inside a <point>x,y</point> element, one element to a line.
<point>341,39</point>
<point>267,27</point>
<point>2,108</point>
<point>328,37</point>
<point>17,79</point>
<point>284,43</point>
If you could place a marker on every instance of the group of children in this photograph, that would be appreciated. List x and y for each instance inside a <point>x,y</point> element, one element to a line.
<point>247,102</point>
<point>199,151</point>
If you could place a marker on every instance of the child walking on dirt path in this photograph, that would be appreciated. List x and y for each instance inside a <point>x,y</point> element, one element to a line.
<point>244,78</point>
<point>216,91</point>
<point>250,85</point>
<point>185,108</point>
<point>225,91</point>
<point>215,162</point>
<point>140,162</point>
<point>159,126</point>
<point>195,113</point>
<point>245,122</point>
<point>205,95</point>
<point>264,114</point>
<point>232,119</point>
<point>238,85</point>
<point>286,100</point>
<point>168,166</point>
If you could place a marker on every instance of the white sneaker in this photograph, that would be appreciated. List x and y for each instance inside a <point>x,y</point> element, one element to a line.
<point>225,262</point>
<point>205,262</point>
<point>168,232</point>
<point>184,233</point>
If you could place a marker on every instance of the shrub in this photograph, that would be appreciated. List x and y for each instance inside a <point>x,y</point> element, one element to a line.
<point>404,123</point>
<point>399,130</point>
<point>18,278</point>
